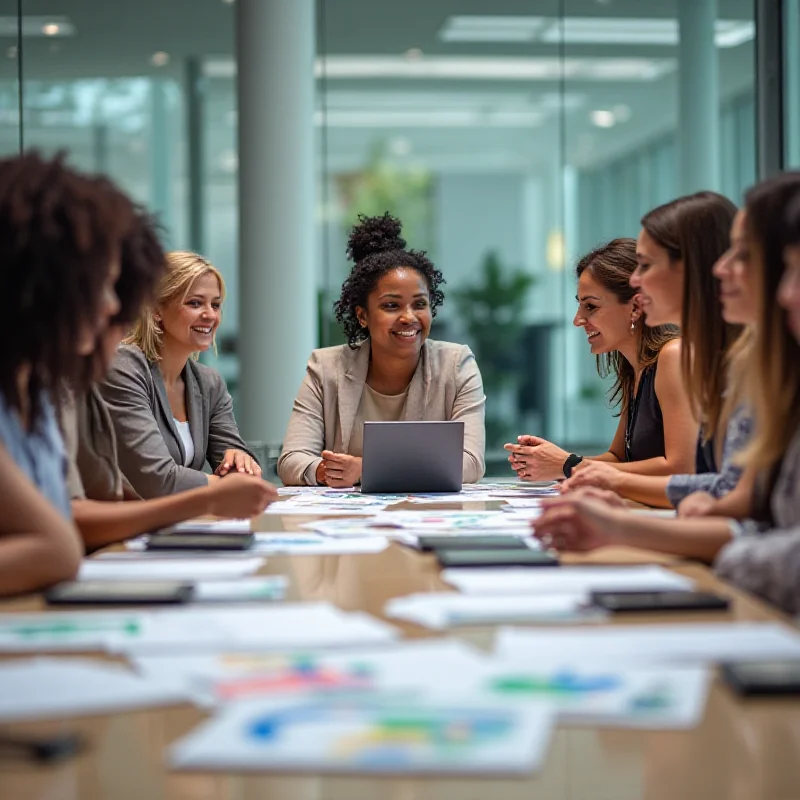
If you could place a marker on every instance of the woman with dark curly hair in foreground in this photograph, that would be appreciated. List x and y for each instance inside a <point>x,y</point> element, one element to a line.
<point>389,370</point>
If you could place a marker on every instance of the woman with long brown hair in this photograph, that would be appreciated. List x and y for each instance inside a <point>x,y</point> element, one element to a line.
<point>767,499</point>
<point>678,245</point>
<point>656,431</point>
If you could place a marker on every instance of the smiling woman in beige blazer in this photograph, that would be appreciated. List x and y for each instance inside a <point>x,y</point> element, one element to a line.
<point>388,371</point>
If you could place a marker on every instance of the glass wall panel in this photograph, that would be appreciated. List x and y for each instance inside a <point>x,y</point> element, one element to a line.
<point>791,82</point>
<point>623,140</point>
<point>10,60</point>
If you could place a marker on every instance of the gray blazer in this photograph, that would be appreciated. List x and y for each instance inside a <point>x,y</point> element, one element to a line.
<point>446,385</point>
<point>767,563</point>
<point>150,449</point>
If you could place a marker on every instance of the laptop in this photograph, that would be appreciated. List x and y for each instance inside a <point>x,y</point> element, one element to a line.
<point>406,457</point>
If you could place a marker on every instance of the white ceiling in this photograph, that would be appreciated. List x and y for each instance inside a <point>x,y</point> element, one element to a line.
<point>495,124</point>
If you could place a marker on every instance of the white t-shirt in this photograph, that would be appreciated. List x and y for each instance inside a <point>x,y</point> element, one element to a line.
<point>186,438</point>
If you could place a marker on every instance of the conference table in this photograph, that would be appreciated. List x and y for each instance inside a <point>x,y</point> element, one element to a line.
<point>748,749</point>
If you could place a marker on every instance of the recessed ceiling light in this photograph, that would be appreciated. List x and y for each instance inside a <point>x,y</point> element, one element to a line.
<point>36,26</point>
<point>159,59</point>
<point>603,118</point>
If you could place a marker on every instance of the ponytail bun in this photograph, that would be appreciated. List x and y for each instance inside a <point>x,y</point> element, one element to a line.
<point>374,235</point>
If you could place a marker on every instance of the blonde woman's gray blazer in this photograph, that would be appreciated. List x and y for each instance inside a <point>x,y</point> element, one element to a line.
<point>150,450</point>
<point>446,385</point>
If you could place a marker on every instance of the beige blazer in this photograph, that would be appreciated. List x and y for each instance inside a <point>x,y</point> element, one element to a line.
<point>446,385</point>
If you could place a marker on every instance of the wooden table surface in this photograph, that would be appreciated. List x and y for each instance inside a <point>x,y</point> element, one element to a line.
<point>742,750</point>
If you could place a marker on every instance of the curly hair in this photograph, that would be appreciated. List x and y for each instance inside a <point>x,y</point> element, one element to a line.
<point>376,247</point>
<point>612,265</point>
<point>60,232</point>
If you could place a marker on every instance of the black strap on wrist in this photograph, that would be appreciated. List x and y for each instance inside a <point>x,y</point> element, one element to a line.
<point>570,464</point>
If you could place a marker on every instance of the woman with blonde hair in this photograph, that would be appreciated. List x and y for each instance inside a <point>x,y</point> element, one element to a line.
<point>172,414</point>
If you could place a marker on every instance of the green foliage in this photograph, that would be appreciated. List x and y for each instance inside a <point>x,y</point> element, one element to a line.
<point>492,310</point>
<point>405,191</point>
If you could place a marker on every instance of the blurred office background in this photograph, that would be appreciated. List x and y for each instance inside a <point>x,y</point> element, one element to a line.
<point>510,136</point>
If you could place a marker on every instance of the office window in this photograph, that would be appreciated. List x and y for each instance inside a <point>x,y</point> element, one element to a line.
<point>791,82</point>
<point>509,136</point>
<point>524,138</point>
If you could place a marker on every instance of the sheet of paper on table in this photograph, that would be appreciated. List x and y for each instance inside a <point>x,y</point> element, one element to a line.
<point>194,628</point>
<point>561,580</point>
<point>278,543</point>
<point>370,734</point>
<point>440,610</point>
<point>263,588</point>
<point>53,688</point>
<point>173,569</point>
<point>692,643</point>
<point>583,693</point>
<point>414,667</point>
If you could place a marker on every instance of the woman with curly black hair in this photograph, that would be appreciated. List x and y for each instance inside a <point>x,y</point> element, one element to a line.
<point>60,235</point>
<point>389,370</point>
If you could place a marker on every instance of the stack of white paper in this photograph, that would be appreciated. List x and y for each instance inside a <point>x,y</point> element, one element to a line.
<point>440,610</point>
<point>697,643</point>
<point>369,734</point>
<point>561,580</point>
<point>50,688</point>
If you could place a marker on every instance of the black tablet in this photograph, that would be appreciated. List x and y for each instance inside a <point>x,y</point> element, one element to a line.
<point>763,677</point>
<point>659,601</point>
<point>524,557</point>
<point>477,542</point>
<point>200,541</point>
<point>121,593</point>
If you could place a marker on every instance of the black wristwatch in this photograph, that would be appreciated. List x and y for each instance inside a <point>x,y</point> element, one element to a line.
<point>570,464</point>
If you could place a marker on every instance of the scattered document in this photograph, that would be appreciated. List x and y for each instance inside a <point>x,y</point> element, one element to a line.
<point>52,688</point>
<point>564,580</point>
<point>416,668</point>
<point>294,544</point>
<point>312,544</point>
<point>609,696</point>
<point>194,627</point>
<point>173,569</point>
<point>698,643</point>
<point>369,735</point>
<point>268,587</point>
<point>439,610</point>
<point>424,521</point>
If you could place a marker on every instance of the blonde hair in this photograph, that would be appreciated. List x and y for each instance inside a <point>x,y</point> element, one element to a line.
<point>183,269</point>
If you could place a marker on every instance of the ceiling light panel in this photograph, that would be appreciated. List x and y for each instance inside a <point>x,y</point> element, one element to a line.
<point>584,30</point>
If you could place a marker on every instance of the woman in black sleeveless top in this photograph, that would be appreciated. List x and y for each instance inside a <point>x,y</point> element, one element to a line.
<point>677,248</point>
<point>656,431</point>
